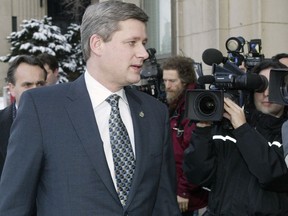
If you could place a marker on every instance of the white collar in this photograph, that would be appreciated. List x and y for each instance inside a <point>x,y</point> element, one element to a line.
<point>98,93</point>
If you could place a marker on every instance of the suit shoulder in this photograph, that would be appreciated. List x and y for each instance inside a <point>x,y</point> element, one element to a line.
<point>7,111</point>
<point>147,102</point>
<point>143,96</point>
<point>48,91</point>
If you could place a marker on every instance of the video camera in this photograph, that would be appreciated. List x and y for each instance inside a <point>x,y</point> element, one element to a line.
<point>236,52</point>
<point>228,81</point>
<point>151,78</point>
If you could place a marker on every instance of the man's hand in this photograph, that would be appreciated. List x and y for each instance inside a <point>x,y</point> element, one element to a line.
<point>183,203</point>
<point>234,113</point>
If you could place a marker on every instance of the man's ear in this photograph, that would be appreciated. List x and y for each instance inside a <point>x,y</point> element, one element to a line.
<point>96,44</point>
<point>56,72</point>
<point>11,89</point>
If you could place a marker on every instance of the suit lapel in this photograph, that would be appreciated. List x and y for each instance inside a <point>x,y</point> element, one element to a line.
<point>82,117</point>
<point>139,123</point>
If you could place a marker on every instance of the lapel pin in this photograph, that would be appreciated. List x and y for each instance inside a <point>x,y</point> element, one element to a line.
<point>141,114</point>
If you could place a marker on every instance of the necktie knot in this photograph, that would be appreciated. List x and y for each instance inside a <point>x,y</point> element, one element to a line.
<point>113,100</point>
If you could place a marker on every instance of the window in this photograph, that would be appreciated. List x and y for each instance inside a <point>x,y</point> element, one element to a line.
<point>63,12</point>
<point>159,25</point>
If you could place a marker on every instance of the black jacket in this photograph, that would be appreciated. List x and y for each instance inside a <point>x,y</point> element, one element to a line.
<point>6,120</point>
<point>243,168</point>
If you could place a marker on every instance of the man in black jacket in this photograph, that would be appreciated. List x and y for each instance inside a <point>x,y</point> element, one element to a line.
<point>242,163</point>
<point>25,72</point>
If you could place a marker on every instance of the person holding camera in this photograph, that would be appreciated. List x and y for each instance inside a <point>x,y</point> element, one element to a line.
<point>179,76</point>
<point>240,158</point>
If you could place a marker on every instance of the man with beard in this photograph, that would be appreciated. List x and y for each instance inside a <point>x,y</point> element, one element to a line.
<point>179,76</point>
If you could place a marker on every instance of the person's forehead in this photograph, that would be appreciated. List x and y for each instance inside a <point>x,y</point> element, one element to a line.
<point>25,69</point>
<point>170,72</point>
<point>265,72</point>
<point>284,61</point>
<point>25,66</point>
<point>132,26</point>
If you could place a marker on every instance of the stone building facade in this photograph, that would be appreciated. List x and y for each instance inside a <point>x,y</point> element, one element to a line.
<point>195,24</point>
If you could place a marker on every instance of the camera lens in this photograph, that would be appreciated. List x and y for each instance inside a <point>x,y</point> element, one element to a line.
<point>206,104</point>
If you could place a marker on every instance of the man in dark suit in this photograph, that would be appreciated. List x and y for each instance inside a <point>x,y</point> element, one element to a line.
<point>60,154</point>
<point>25,72</point>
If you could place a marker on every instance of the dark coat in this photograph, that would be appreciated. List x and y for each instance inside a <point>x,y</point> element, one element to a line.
<point>243,167</point>
<point>55,156</point>
<point>181,130</point>
<point>6,120</point>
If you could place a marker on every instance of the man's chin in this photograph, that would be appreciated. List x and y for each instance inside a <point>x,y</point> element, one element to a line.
<point>170,98</point>
<point>134,80</point>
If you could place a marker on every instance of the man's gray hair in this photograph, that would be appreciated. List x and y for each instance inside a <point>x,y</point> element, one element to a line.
<point>103,18</point>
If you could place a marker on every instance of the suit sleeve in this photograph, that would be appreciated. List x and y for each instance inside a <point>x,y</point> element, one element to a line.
<point>265,160</point>
<point>199,158</point>
<point>22,166</point>
<point>166,203</point>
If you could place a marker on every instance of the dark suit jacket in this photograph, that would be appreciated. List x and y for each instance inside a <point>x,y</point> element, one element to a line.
<point>56,156</point>
<point>6,120</point>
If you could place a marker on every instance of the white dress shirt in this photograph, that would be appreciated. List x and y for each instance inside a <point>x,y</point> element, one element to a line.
<point>98,93</point>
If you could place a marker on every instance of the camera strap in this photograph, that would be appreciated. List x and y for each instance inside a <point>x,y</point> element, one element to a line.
<point>179,127</point>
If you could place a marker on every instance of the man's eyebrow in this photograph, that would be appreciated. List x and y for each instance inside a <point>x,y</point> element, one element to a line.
<point>27,83</point>
<point>138,39</point>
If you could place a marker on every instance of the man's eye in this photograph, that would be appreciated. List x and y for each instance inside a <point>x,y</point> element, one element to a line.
<point>42,83</point>
<point>27,85</point>
<point>132,43</point>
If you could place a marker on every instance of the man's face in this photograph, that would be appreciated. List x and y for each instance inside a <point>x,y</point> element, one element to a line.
<point>26,77</point>
<point>262,103</point>
<point>173,85</point>
<point>122,57</point>
<point>52,76</point>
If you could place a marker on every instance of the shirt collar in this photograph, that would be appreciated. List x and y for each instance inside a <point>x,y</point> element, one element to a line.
<point>98,93</point>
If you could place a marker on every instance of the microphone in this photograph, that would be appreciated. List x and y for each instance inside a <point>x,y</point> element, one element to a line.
<point>213,56</point>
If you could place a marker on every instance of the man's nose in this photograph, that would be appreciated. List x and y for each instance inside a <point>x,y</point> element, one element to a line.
<point>167,84</point>
<point>142,53</point>
<point>266,92</point>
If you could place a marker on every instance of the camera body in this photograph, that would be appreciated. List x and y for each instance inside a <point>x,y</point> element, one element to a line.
<point>151,78</point>
<point>208,105</point>
<point>227,81</point>
<point>236,51</point>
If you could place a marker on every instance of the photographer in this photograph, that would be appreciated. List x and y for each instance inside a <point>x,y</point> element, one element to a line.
<point>179,76</point>
<point>241,157</point>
